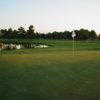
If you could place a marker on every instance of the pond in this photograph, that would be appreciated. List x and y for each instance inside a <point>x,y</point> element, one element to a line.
<point>20,46</point>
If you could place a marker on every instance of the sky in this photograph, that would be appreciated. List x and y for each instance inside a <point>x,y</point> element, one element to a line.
<point>50,15</point>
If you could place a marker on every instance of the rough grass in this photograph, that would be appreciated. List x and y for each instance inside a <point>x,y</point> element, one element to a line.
<point>51,74</point>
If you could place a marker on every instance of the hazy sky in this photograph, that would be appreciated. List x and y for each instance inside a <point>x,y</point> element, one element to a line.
<point>50,15</point>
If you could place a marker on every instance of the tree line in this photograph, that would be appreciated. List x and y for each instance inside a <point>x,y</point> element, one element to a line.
<point>21,33</point>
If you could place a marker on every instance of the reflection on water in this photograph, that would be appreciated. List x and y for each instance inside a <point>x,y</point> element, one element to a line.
<point>20,46</point>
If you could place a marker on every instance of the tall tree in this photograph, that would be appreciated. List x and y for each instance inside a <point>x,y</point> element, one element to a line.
<point>4,33</point>
<point>15,34</point>
<point>10,33</point>
<point>30,34</point>
<point>21,32</point>
<point>84,34</point>
<point>92,35</point>
<point>99,37</point>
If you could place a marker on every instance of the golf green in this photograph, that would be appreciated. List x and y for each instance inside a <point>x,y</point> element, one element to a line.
<point>51,73</point>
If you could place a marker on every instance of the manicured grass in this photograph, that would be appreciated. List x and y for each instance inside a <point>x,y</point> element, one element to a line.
<point>51,73</point>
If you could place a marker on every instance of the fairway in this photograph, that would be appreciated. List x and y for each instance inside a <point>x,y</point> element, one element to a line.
<point>51,73</point>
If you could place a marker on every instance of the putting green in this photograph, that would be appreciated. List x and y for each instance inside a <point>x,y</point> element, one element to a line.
<point>50,74</point>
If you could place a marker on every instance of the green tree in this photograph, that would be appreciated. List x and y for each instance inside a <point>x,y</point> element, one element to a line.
<point>30,34</point>
<point>99,37</point>
<point>10,33</point>
<point>84,34</point>
<point>21,33</point>
<point>93,35</point>
<point>4,33</point>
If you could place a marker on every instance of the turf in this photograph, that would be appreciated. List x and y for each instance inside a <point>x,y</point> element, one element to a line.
<point>51,73</point>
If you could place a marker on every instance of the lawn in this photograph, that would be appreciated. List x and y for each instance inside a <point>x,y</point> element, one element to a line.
<point>51,73</point>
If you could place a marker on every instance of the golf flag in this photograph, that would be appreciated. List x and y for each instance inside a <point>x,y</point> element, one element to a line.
<point>73,34</point>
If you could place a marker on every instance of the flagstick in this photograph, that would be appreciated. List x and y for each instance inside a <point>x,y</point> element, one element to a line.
<point>73,35</point>
<point>73,47</point>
